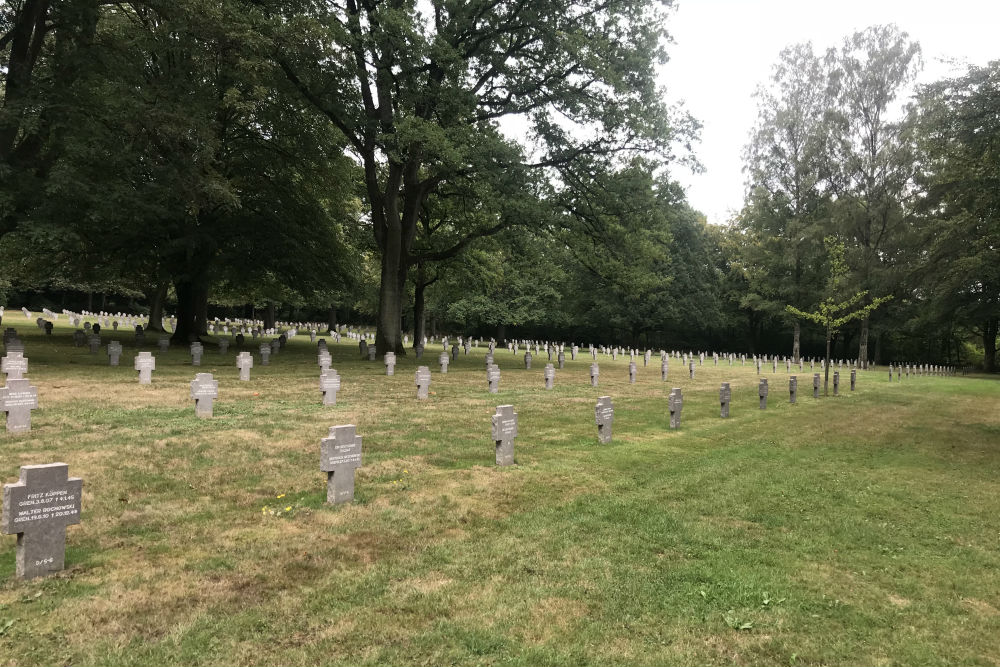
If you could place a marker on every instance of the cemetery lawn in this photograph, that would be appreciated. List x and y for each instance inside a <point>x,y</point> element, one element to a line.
<point>859,529</point>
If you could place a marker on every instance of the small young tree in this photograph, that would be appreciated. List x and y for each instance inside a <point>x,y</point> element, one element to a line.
<point>832,314</point>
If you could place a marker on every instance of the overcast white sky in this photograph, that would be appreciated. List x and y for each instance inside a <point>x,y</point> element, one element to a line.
<point>725,48</point>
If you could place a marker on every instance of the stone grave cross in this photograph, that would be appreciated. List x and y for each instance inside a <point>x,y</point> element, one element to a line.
<point>390,363</point>
<point>339,457</point>
<point>604,414</point>
<point>38,508</point>
<point>14,365</point>
<point>17,400</point>
<point>793,388</point>
<point>423,381</point>
<point>204,390</point>
<point>675,402</point>
<point>443,361</point>
<point>595,372</point>
<point>114,352</point>
<point>329,384</point>
<point>244,361</point>
<point>550,375</point>
<point>504,432</point>
<point>493,377</point>
<point>725,398</point>
<point>762,393</point>
<point>145,363</point>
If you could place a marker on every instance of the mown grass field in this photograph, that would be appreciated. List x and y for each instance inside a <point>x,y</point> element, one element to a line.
<point>861,529</point>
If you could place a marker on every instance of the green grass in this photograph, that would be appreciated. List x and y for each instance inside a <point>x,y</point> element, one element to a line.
<point>861,529</point>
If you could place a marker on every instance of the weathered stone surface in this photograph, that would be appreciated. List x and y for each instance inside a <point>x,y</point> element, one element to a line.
<point>675,403</point>
<point>204,391</point>
<point>244,361</point>
<point>816,385</point>
<point>14,365</point>
<point>793,388</point>
<point>632,372</point>
<point>423,381</point>
<point>854,378</point>
<point>339,457</point>
<point>443,361</point>
<point>762,393</point>
<point>595,372</point>
<point>329,385</point>
<point>389,359</point>
<point>504,432</point>
<point>725,398</point>
<point>604,415</point>
<point>114,352</point>
<point>550,376</point>
<point>17,400</point>
<point>38,508</point>
<point>493,378</point>
<point>145,363</point>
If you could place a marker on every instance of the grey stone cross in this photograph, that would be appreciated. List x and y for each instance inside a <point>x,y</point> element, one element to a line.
<point>197,349</point>
<point>816,385</point>
<point>145,363</point>
<point>793,388</point>
<point>762,393</point>
<point>204,390</point>
<point>632,370</point>
<point>390,363</point>
<point>725,398</point>
<point>604,415</point>
<point>17,400</point>
<point>527,359</point>
<point>114,352</point>
<point>595,372</point>
<point>163,342</point>
<point>265,354</point>
<point>339,457</point>
<point>493,377</point>
<point>324,360</point>
<point>244,361</point>
<point>854,378</point>
<point>550,376</point>
<point>37,509</point>
<point>329,384</point>
<point>675,402</point>
<point>423,381</point>
<point>443,361</point>
<point>14,365</point>
<point>664,369</point>
<point>836,383</point>
<point>504,432</point>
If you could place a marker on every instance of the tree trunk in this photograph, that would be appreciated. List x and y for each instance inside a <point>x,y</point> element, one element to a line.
<point>155,297</point>
<point>796,336</point>
<point>269,315</point>
<point>419,311</point>
<point>501,334</point>
<point>332,317</point>
<point>388,337</point>
<point>863,344</point>
<point>192,311</point>
<point>826,365</point>
<point>990,345</point>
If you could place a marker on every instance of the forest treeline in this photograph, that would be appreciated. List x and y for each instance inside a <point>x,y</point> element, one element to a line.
<point>488,167</point>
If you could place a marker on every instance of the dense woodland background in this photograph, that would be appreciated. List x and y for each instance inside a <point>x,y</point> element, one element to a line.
<point>486,167</point>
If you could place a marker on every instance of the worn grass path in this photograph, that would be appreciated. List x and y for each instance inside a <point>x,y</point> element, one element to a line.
<point>862,529</point>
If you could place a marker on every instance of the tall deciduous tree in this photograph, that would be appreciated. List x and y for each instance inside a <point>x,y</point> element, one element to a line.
<point>874,166</point>
<point>958,138</point>
<point>787,164</point>
<point>418,91</point>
